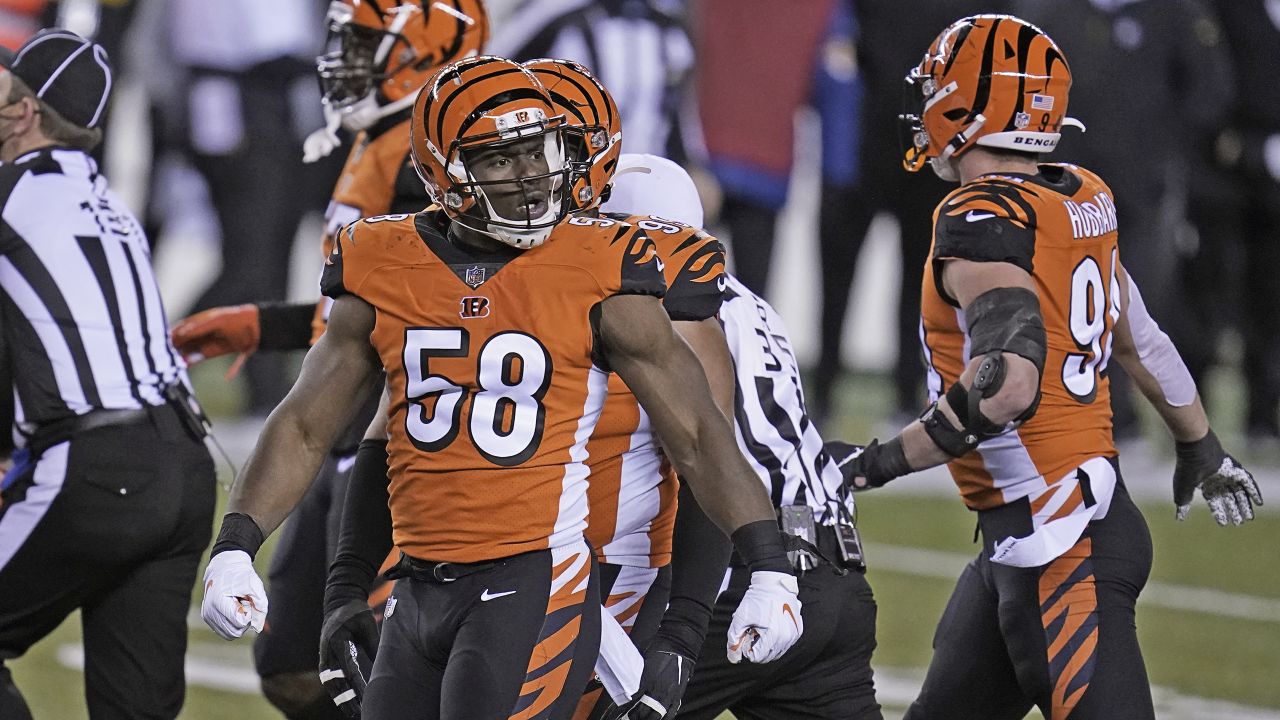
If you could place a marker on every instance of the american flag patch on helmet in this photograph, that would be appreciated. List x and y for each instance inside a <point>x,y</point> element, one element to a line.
<point>1042,102</point>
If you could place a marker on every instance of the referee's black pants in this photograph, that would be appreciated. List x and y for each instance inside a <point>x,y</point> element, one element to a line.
<point>113,522</point>
<point>826,674</point>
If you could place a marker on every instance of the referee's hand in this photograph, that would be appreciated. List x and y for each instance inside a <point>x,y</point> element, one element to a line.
<point>216,332</point>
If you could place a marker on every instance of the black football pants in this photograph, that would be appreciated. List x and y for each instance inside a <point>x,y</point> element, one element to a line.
<point>113,522</point>
<point>1061,637</point>
<point>516,640</point>
<point>826,675</point>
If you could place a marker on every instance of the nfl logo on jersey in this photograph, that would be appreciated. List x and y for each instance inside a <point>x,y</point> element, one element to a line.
<point>474,276</point>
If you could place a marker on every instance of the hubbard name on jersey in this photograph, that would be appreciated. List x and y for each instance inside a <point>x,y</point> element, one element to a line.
<point>633,487</point>
<point>1060,226</point>
<point>494,373</point>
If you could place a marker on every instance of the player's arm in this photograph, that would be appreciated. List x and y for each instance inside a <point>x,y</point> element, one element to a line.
<point>699,555</point>
<point>349,635</point>
<point>337,373</point>
<point>998,390</point>
<point>669,382</point>
<point>1150,359</point>
<point>243,329</point>
<point>666,377</point>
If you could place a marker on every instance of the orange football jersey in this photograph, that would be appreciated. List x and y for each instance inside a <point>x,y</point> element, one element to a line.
<point>1061,227</point>
<point>633,488</point>
<point>494,374</point>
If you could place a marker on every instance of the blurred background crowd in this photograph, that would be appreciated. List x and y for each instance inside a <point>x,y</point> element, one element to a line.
<point>785,112</point>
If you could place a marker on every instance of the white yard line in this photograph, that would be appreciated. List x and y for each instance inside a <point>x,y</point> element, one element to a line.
<point>946,565</point>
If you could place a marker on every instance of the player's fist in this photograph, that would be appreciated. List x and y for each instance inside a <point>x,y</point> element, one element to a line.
<point>767,622</point>
<point>216,332</point>
<point>348,645</point>
<point>1229,489</point>
<point>234,599</point>
<point>662,684</point>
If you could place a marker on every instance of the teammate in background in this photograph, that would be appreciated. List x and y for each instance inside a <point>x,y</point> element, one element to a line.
<point>827,673</point>
<point>632,487</point>
<point>1025,302</point>
<point>490,518</point>
<point>380,55</point>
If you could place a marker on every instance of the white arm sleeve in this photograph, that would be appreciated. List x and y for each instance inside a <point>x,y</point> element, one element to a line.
<point>1157,353</point>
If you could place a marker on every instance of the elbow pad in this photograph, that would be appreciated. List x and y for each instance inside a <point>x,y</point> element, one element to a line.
<point>1003,320</point>
<point>1007,320</point>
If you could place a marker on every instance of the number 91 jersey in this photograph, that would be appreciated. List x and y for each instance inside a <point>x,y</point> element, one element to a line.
<point>494,374</point>
<point>1059,226</point>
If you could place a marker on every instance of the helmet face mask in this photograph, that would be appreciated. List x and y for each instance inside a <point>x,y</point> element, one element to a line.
<point>381,52</point>
<point>491,150</point>
<point>351,69</point>
<point>518,208</point>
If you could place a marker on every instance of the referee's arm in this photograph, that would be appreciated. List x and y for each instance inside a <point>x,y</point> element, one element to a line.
<point>337,375</point>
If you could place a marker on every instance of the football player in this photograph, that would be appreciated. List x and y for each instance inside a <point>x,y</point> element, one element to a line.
<point>381,53</point>
<point>629,512</point>
<point>1025,303</point>
<point>494,318</point>
<point>632,488</point>
<point>828,672</point>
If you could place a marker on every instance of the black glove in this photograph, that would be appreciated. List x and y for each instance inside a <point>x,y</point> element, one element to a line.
<point>869,466</point>
<point>348,644</point>
<point>1228,488</point>
<point>666,675</point>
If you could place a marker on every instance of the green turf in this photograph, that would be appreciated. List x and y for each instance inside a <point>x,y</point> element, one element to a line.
<point>1192,653</point>
<point>1195,653</point>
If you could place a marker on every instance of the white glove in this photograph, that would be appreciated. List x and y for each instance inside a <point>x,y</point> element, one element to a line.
<point>320,143</point>
<point>234,598</point>
<point>767,622</point>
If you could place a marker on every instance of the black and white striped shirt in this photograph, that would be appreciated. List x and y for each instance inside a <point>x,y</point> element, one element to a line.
<point>774,430</point>
<point>81,313</point>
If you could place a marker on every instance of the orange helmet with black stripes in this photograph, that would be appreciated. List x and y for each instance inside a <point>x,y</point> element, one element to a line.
<point>380,52</point>
<point>991,80</point>
<point>594,133</point>
<point>480,103</point>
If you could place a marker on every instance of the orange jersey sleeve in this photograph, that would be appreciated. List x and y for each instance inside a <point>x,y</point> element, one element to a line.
<point>633,488</point>
<point>489,359</point>
<point>1061,227</point>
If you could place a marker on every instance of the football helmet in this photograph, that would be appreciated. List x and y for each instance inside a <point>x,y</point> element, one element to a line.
<point>486,103</point>
<point>991,80</point>
<point>380,52</point>
<point>593,134</point>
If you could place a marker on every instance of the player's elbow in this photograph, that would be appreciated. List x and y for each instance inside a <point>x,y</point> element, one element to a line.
<point>1018,396</point>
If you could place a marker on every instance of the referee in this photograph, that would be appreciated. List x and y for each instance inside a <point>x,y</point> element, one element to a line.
<point>827,674</point>
<point>108,503</point>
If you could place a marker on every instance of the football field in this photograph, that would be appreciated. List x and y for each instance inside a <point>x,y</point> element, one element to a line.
<point>1209,619</point>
